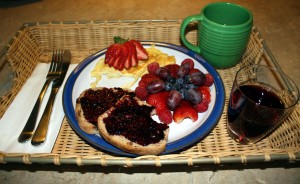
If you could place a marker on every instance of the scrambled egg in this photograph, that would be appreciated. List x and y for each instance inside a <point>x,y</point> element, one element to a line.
<point>154,54</point>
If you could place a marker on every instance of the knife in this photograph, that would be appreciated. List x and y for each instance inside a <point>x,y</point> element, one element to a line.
<point>40,133</point>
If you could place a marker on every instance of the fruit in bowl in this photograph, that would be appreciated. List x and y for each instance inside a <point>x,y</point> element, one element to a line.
<point>176,91</point>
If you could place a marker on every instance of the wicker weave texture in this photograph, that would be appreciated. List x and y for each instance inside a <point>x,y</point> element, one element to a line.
<point>34,43</point>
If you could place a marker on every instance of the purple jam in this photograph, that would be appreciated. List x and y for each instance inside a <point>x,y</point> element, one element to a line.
<point>134,122</point>
<point>96,102</point>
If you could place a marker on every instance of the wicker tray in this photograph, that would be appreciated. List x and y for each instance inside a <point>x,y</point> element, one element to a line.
<point>34,43</point>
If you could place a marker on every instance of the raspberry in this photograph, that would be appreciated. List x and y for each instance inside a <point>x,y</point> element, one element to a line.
<point>209,80</point>
<point>152,67</point>
<point>165,116</point>
<point>147,78</point>
<point>202,106</point>
<point>143,84</point>
<point>141,92</point>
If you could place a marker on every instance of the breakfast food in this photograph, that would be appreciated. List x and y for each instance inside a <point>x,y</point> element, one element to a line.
<point>122,117</point>
<point>154,55</point>
<point>124,54</point>
<point>182,89</point>
<point>129,126</point>
<point>93,102</point>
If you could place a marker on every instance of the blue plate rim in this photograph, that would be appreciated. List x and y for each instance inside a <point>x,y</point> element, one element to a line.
<point>172,147</point>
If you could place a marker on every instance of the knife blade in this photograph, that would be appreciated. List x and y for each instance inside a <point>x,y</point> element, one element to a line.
<point>40,133</point>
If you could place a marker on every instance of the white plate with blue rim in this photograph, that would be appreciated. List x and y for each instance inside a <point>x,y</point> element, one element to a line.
<point>181,135</point>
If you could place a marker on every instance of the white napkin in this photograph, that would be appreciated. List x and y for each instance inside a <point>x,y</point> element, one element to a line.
<point>14,119</point>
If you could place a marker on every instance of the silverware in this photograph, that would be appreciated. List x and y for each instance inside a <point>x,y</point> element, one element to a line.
<point>53,73</point>
<point>41,132</point>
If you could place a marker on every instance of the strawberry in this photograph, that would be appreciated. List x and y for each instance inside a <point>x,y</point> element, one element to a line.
<point>112,53</point>
<point>124,53</point>
<point>134,59</point>
<point>158,100</point>
<point>140,50</point>
<point>209,80</point>
<point>116,62</point>
<point>125,58</point>
<point>185,110</point>
<point>173,69</point>
<point>202,106</point>
<point>205,91</point>
<point>164,115</point>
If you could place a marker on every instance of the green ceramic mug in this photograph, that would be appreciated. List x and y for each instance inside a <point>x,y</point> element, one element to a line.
<point>223,33</point>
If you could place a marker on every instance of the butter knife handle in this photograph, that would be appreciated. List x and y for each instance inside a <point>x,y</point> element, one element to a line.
<point>40,133</point>
<point>28,129</point>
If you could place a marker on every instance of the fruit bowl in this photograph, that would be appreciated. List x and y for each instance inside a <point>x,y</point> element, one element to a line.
<point>181,135</point>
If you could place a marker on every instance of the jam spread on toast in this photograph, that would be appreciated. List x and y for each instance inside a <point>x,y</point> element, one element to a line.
<point>134,122</point>
<point>96,102</point>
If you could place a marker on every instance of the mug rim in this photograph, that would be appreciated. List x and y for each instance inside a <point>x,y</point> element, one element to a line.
<point>249,21</point>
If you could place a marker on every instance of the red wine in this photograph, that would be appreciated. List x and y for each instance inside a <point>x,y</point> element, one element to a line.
<point>253,112</point>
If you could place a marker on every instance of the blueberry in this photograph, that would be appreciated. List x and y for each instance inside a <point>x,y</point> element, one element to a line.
<point>168,86</point>
<point>191,86</point>
<point>180,81</point>
<point>186,79</point>
<point>183,93</point>
<point>177,86</point>
<point>171,80</point>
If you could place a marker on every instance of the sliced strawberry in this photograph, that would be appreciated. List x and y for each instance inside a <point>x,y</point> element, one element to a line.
<point>158,100</point>
<point>185,110</point>
<point>109,53</point>
<point>125,57</point>
<point>125,53</point>
<point>117,61</point>
<point>113,54</point>
<point>140,50</point>
<point>134,59</point>
<point>128,60</point>
<point>165,116</point>
<point>112,51</point>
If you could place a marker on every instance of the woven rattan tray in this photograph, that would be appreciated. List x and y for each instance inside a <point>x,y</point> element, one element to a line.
<point>34,43</point>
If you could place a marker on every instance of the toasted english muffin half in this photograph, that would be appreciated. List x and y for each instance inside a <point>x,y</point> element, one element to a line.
<point>129,126</point>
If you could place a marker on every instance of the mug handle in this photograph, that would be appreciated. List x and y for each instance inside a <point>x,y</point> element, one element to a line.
<point>184,24</point>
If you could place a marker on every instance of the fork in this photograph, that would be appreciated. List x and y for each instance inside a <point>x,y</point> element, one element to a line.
<point>53,73</point>
<point>40,133</point>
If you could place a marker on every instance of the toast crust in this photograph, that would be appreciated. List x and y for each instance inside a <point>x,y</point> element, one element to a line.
<point>125,144</point>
